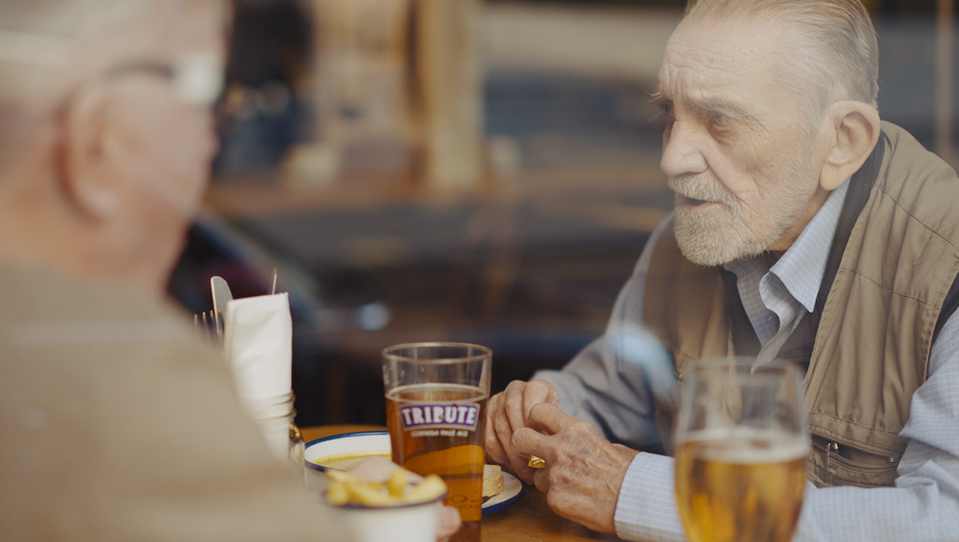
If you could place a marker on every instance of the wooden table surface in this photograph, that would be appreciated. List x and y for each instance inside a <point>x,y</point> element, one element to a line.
<point>529,520</point>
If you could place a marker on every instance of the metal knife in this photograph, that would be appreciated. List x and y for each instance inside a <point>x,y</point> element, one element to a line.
<point>221,296</point>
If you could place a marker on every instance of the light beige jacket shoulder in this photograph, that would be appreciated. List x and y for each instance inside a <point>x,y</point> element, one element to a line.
<point>117,425</point>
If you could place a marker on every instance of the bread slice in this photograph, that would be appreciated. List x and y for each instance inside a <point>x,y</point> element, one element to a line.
<point>493,482</point>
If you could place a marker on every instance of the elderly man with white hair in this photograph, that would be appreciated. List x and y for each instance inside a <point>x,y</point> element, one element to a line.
<point>805,229</point>
<point>116,422</point>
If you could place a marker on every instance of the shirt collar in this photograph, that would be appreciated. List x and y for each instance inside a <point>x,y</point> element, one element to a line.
<point>803,265</point>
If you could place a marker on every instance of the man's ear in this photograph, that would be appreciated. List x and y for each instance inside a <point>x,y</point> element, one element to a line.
<point>89,176</point>
<point>853,129</point>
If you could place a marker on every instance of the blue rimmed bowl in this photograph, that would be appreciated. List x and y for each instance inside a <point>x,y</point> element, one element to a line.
<point>330,450</point>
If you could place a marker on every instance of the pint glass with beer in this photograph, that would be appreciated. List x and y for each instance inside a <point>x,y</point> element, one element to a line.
<point>741,446</point>
<point>436,395</point>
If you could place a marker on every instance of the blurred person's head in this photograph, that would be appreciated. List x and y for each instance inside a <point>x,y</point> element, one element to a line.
<point>106,132</point>
<point>771,105</point>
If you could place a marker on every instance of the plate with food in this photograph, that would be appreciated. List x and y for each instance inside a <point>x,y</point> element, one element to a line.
<point>341,452</point>
<point>500,489</point>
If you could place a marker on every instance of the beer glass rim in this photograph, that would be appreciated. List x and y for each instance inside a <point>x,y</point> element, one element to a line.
<point>479,352</point>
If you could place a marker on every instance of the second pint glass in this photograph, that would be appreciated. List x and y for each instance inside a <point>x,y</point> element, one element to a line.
<point>741,446</point>
<point>436,395</point>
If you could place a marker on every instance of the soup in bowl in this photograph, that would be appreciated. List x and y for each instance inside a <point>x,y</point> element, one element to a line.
<point>343,451</point>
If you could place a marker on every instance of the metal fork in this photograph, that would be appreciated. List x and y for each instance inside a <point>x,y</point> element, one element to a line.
<point>203,323</point>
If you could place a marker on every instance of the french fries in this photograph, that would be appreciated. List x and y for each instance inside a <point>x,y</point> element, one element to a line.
<point>347,488</point>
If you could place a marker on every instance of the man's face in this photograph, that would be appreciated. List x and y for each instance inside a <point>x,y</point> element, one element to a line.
<point>175,133</point>
<point>163,134</point>
<point>744,174</point>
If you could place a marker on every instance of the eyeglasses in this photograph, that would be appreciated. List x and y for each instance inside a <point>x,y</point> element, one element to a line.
<point>197,78</point>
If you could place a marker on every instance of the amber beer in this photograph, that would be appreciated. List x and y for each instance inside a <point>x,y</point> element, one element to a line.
<point>443,428</point>
<point>736,487</point>
<point>436,395</point>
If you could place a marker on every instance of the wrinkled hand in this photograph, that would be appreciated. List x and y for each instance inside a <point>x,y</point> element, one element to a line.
<point>583,472</point>
<point>505,414</point>
<point>379,469</point>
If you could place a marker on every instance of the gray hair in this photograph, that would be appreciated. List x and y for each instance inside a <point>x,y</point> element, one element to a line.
<point>38,39</point>
<point>833,56</point>
<point>39,35</point>
<point>69,17</point>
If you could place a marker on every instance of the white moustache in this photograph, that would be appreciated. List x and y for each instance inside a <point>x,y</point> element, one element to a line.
<point>700,188</point>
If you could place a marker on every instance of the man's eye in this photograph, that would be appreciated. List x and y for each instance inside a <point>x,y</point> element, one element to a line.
<point>720,120</point>
<point>666,109</point>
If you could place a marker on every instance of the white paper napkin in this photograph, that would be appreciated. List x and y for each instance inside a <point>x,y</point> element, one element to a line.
<point>258,343</point>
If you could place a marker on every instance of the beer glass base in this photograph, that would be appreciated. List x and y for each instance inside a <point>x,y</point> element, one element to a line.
<point>469,532</point>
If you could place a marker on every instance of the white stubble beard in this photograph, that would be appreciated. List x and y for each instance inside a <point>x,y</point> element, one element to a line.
<point>720,234</point>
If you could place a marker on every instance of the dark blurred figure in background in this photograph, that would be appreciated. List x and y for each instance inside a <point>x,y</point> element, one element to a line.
<point>262,112</point>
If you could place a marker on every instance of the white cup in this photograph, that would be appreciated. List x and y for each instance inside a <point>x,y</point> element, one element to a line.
<point>408,523</point>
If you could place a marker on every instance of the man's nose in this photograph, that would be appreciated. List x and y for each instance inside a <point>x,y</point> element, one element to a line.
<point>683,145</point>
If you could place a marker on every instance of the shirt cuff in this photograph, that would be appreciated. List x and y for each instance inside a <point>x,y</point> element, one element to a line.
<point>646,509</point>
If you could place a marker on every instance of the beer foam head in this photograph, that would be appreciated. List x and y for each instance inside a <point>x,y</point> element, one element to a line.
<point>746,445</point>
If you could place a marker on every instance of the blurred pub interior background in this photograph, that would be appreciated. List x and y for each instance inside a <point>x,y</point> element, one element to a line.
<point>466,170</point>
